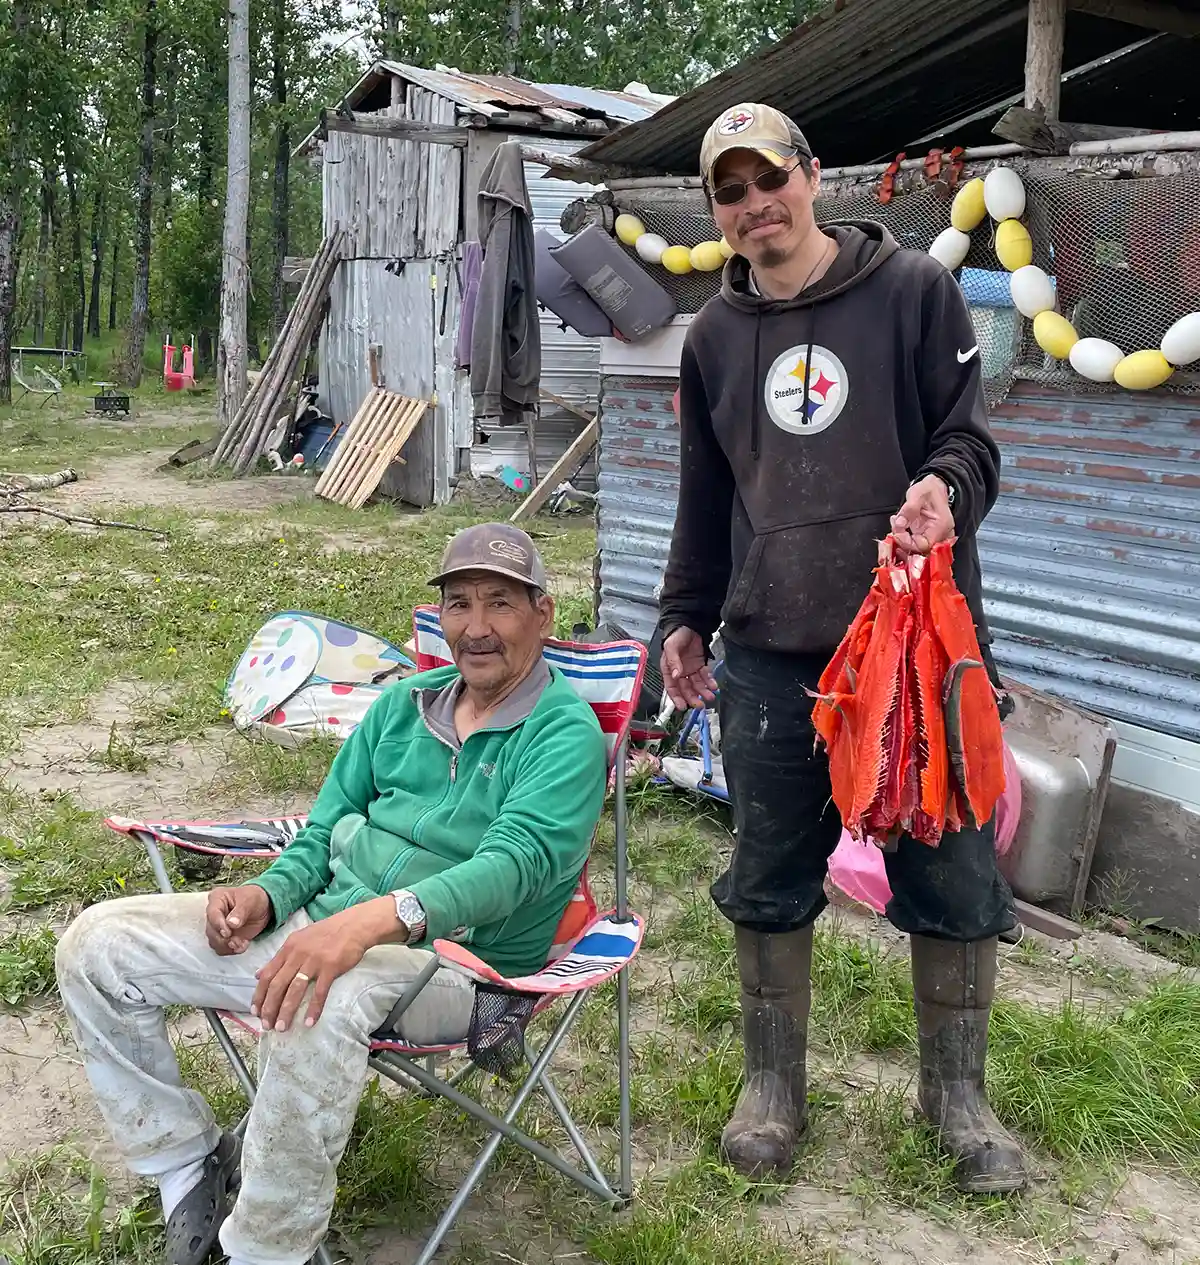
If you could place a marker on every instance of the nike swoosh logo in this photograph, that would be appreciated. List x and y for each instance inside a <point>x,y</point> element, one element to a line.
<point>964,356</point>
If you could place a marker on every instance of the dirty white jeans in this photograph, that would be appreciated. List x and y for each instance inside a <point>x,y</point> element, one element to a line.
<point>122,961</point>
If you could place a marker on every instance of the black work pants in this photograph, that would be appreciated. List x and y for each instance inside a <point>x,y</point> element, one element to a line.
<point>788,826</point>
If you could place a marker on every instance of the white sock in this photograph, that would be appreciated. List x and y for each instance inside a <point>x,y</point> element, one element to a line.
<point>173,1186</point>
<point>237,1260</point>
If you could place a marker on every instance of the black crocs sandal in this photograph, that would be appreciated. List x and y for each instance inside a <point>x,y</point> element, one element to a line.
<point>193,1226</point>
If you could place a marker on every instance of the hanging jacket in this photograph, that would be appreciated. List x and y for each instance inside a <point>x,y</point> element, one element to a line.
<point>802,424</point>
<point>506,340</point>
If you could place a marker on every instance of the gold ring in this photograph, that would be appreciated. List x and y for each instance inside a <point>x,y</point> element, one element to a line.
<point>301,975</point>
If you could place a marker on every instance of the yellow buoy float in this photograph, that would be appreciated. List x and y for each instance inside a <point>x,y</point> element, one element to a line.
<point>628,229</point>
<point>677,259</point>
<point>1055,335</point>
<point>1014,246</point>
<point>968,208</point>
<point>707,257</point>
<point>1143,370</point>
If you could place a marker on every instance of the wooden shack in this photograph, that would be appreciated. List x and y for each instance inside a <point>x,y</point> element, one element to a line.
<point>401,157</point>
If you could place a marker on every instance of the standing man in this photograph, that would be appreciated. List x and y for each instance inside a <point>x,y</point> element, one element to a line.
<point>831,394</point>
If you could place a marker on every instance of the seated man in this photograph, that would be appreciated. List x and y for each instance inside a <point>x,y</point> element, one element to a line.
<point>463,807</point>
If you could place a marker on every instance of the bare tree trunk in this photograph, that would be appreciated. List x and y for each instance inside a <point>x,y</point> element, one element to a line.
<point>513,38</point>
<point>391,27</point>
<point>11,181</point>
<point>235,275</point>
<point>99,236</point>
<point>112,280</point>
<point>10,233</point>
<point>208,107</point>
<point>139,317</point>
<point>42,262</point>
<point>170,123</point>
<point>78,306</point>
<point>280,203</point>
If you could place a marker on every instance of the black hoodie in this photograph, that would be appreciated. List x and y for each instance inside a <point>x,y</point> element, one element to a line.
<point>788,478</point>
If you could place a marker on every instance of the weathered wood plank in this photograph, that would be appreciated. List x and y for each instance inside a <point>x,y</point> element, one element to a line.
<point>1041,135</point>
<point>580,447</point>
<point>392,127</point>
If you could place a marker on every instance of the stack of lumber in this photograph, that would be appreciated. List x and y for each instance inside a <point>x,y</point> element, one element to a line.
<point>245,439</point>
<point>382,426</point>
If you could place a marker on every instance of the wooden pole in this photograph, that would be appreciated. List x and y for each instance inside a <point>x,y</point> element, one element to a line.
<point>291,349</point>
<point>1044,38</point>
<point>243,424</point>
<point>531,430</point>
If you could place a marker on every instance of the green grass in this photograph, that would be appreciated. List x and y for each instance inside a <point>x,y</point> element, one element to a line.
<point>26,964</point>
<point>86,609</point>
<point>38,440</point>
<point>700,1215</point>
<point>61,855</point>
<point>54,1211</point>
<point>1090,1089</point>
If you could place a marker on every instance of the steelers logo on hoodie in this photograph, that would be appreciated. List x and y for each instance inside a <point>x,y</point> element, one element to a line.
<point>806,413</point>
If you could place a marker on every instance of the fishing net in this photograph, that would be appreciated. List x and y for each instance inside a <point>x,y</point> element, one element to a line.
<point>1124,256</point>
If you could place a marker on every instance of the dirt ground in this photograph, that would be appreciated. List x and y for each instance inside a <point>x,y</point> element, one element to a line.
<point>1153,1218</point>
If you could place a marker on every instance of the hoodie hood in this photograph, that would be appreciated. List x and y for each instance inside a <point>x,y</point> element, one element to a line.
<point>862,247</point>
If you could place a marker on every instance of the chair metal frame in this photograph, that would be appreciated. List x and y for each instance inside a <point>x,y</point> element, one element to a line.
<point>413,1067</point>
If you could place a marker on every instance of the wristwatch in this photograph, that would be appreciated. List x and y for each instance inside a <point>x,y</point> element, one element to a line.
<point>411,913</point>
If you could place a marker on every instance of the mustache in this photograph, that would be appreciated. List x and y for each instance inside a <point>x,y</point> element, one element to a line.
<point>752,220</point>
<point>482,645</point>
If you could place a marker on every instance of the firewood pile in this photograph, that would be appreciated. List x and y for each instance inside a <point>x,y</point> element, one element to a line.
<point>245,439</point>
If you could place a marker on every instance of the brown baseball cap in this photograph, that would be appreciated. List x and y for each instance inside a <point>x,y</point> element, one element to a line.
<point>498,548</point>
<point>751,125</point>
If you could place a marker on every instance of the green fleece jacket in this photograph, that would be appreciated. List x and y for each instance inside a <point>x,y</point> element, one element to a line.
<point>491,839</point>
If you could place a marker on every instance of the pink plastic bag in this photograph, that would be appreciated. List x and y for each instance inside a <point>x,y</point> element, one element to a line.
<point>857,869</point>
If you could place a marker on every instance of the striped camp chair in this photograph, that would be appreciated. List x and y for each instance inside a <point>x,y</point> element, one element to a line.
<point>589,949</point>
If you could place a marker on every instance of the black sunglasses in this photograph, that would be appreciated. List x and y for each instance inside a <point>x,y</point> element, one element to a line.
<point>770,181</point>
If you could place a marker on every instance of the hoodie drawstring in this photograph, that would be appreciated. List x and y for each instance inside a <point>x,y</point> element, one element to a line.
<point>812,336</point>
<point>759,387</point>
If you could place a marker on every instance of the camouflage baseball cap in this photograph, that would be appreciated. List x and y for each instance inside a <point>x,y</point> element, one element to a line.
<point>751,125</point>
<point>498,548</point>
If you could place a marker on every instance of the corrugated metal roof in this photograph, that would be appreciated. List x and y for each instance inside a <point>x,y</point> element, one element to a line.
<point>864,78</point>
<point>495,95</point>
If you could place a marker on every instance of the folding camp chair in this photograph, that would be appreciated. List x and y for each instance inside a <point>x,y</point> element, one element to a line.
<point>49,391</point>
<point>589,950</point>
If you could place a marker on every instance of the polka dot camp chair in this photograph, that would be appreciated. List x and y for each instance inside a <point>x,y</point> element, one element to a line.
<point>590,949</point>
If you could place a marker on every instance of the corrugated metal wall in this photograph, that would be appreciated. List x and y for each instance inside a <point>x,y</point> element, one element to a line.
<point>1091,556</point>
<point>372,303</point>
<point>570,364</point>
<point>400,203</point>
<point>638,493</point>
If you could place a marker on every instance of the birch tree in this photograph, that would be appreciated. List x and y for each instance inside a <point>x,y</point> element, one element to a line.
<point>235,271</point>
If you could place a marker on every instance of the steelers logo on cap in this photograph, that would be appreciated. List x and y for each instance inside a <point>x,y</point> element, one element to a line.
<point>734,121</point>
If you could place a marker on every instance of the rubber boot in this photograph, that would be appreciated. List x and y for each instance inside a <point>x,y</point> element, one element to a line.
<point>776,994</point>
<point>953,988</point>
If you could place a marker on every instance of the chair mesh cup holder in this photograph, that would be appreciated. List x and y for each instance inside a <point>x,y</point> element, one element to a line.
<point>496,1035</point>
